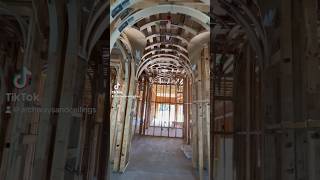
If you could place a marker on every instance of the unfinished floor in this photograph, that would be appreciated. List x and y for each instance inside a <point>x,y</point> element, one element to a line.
<point>157,158</point>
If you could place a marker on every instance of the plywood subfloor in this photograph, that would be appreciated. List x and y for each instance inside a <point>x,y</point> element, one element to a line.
<point>157,158</point>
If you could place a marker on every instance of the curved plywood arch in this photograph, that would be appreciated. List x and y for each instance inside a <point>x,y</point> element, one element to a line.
<point>119,7</point>
<point>169,44</point>
<point>154,23</point>
<point>166,50</point>
<point>162,55</point>
<point>22,23</point>
<point>201,18</point>
<point>145,65</point>
<point>183,40</point>
<point>240,13</point>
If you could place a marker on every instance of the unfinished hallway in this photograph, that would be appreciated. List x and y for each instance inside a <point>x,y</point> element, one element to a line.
<point>157,158</point>
<point>159,89</point>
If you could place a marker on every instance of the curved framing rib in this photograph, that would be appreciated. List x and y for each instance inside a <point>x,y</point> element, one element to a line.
<point>23,24</point>
<point>183,40</point>
<point>231,10</point>
<point>260,45</point>
<point>146,64</point>
<point>202,18</point>
<point>164,43</point>
<point>118,7</point>
<point>184,27</point>
<point>166,50</point>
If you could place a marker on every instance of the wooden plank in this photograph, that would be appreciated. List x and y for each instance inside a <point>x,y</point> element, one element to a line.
<point>115,108</point>
<point>29,139</point>
<point>200,118</point>
<point>121,119</point>
<point>248,113</point>
<point>68,91</point>
<point>128,119</point>
<point>100,108</point>
<point>142,106</point>
<point>56,45</point>
<point>147,108</point>
<point>207,105</point>
<point>194,127</point>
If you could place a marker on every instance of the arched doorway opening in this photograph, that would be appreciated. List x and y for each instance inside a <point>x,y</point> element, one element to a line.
<point>210,57</point>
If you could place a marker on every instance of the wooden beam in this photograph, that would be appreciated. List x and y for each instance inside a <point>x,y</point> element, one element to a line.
<point>248,92</point>
<point>121,118</point>
<point>128,119</point>
<point>68,93</point>
<point>200,118</point>
<point>50,95</point>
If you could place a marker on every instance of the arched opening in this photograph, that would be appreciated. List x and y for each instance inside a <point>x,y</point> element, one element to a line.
<point>163,78</point>
<point>174,72</point>
<point>181,50</point>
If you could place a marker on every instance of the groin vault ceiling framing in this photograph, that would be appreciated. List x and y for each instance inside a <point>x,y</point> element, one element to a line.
<point>237,81</point>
